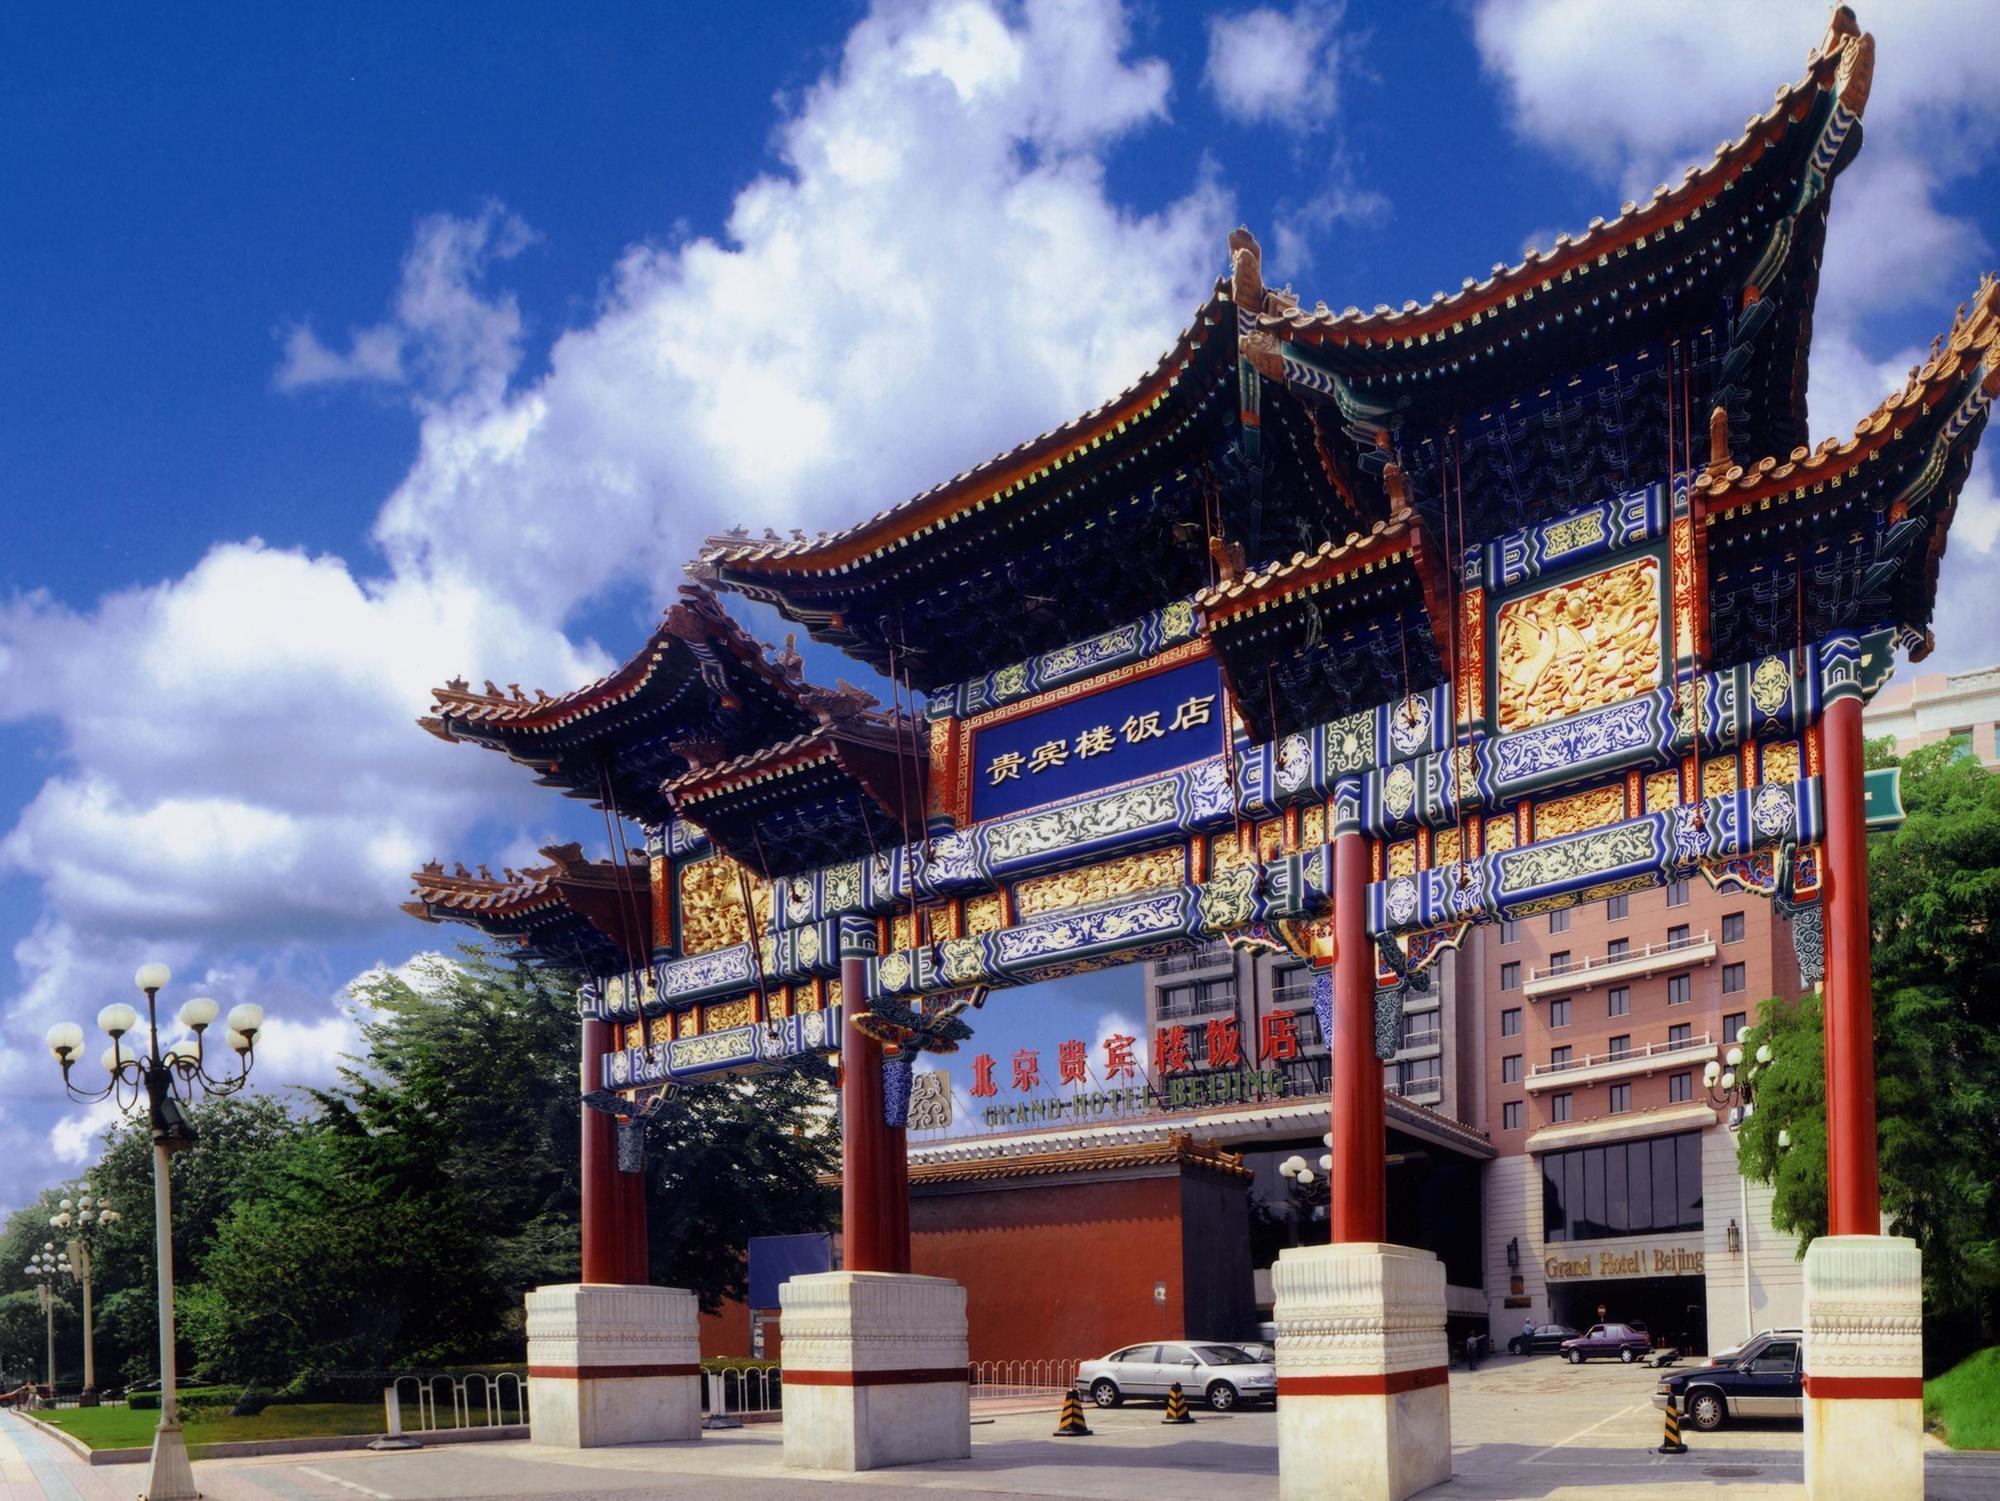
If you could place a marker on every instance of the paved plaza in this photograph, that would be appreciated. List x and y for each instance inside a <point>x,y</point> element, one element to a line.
<point>1534,1428</point>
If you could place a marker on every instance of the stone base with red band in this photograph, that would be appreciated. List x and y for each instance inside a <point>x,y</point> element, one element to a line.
<point>613,1364</point>
<point>1364,1408</point>
<point>875,1370</point>
<point>1864,1390</point>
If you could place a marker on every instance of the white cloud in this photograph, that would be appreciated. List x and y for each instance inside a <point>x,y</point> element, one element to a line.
<point>1638,91</point>
<point>240,746</point>
<point>1268,66</point>
<point>239,778</point>
<point>937,239</point>
<point>444,337</point>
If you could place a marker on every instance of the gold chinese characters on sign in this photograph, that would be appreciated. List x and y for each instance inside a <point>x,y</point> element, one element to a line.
<point>1099,740</point>
<point>1579,645</point>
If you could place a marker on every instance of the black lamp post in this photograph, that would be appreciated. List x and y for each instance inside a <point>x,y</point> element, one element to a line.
<point>167,1081</point>
<point>44,1268</point>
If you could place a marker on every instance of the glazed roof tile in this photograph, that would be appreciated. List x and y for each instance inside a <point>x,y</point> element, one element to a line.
<point>1843,61</point>
<point>1972,344</point>
<point>515,893</point>
<point>830,552</point>
<point>1303,570</point>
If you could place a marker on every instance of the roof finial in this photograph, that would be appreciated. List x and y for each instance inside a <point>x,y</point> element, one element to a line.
<point>1718,441</point>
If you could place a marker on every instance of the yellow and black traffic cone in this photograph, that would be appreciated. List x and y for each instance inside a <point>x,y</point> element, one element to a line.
<point>1177,1409</point>
<point>1071,1424</point>
<point>1672,1444</point>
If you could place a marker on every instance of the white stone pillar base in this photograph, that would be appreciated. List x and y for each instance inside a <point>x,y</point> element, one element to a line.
<point>613,1364</point>
<point>875,1370</point>
<point>1364,1406</point>
<point>1864,1403</point>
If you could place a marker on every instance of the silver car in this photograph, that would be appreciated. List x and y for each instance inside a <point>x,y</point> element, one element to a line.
<point>1207,1370</point>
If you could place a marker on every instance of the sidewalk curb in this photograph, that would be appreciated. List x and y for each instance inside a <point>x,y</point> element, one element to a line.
<point>258,1448</point>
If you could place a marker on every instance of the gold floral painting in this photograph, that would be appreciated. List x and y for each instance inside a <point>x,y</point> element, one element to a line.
<point>1579,645</point>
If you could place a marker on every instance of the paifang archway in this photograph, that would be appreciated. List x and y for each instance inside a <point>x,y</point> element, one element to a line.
<point>1342,632</point>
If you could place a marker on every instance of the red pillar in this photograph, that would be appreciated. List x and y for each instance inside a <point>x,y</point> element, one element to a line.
<point>603,1230</point>
<point>874,1214</point>
<point>1854,1201</point>
<point>1359,1212</point>
<point>614,1203</point>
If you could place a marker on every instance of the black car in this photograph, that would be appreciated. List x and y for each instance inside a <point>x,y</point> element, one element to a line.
<point>1544,1337</point>
<point>1765,1379</point>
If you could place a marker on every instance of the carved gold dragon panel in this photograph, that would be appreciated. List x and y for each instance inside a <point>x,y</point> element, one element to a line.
<point>1579,645</point>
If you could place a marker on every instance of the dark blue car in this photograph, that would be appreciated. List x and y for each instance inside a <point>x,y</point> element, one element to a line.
<point>1765,1379</point>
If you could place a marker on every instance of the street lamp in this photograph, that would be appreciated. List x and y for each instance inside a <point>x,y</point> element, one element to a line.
<point>44,1268</point>
<point>166,1081</point>
<point>1733,1086</point>
<point>86,1217</point>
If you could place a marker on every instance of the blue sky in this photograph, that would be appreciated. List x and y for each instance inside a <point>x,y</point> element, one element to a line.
<point>354,348</point>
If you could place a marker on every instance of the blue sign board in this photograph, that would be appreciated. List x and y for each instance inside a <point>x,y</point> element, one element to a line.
<point>776,1259</point>
<point>1138,728</point>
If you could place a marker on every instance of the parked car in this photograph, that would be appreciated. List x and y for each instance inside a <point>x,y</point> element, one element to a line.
<point>1622,1340</point>
<point>1765,1379</point>
<point>1735,1352</point>
<point>1221,1374</point>
<point>1545,1337</point>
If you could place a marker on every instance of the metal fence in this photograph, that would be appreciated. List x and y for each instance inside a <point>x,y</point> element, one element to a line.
<point>1022,1378</point>
<point>426,1404</point>
<point>731,1391</point>
<point>41,1398</point>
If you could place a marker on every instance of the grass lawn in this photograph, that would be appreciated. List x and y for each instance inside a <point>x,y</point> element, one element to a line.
<point>1964,1403</point>
<point>125,1428</point>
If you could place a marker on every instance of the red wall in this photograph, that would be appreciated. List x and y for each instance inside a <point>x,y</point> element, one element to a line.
<point>1057,1272</point>
<point>726,1331</point>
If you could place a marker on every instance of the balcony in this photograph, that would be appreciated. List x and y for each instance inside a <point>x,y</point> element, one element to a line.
<point>1208,956</point>
<point>1420,1091</point>
<point>1591,1068</point>
<point>1418,1042</point>
<point>1294,995</point>
<point>1598,969</point>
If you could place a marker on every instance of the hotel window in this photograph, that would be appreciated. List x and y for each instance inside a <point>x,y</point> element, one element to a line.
<point>1680,1034</point>
<point>1732,978</point>
<point>1625,1188</point>
<point>1291,984</point>
<point>1616,907</point>
<point>1620,1045</point>
<point>1510,1022</point>
<point>1621,1098</point>
<point>1617,948</point>
<point>1621,1000</point>
<point>1679,988</point>
<point>1510,976</point>
<point>1680,1088</point>
<point>1560,1057</point>
<point>1732,927</point>
<point>1510,930</point>
<point>1677,936</point>
<point>1677,893</point>
<point>1559,920</point>
<point>1733,1024</point>
<point>1510,1069</point>
<point>1559,1013</point>
<point>1960,742</point>
<point>1559,1107</point>
<point>1176,1000</point>
<point>1510,1116</point>
<point>1558,961</point>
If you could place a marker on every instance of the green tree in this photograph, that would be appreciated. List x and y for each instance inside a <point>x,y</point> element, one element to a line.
<point>24,1339</point>
<point>1934,897</point>
<point>731,1160</point>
